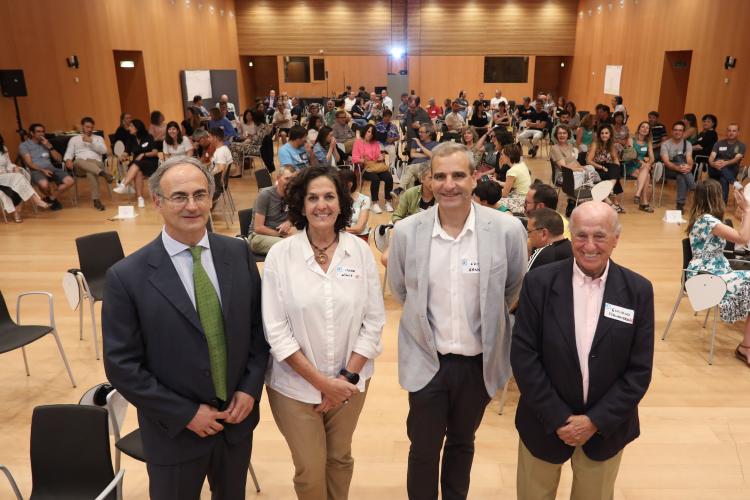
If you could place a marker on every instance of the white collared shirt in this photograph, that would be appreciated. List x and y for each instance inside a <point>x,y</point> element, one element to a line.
<point>327,316</point>
<point>453,289</point>
<point>182,260</point>
<point>587,305</point>
<point>79,150</point>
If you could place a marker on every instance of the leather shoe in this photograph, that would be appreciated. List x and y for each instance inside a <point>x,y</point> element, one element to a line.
<point>98,205</point>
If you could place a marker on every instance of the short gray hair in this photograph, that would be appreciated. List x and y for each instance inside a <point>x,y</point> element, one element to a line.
<point>200,133</point>
<point>424,167</point>
<point>154,182</point>
<point>449,148</point>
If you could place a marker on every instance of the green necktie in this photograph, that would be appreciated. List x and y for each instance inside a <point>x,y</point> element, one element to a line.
<point>209,312</point>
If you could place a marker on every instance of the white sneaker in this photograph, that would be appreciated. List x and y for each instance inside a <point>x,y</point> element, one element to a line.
<point>131,189</point>
<point>141,202</point>
<point>120,188</point>
<point>388,207</point>
<point>376,209</point>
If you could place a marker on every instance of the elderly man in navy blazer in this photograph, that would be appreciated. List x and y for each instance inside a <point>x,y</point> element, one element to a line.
<point>582,355</point>
<point>456,268</point>
<point>184,343</point>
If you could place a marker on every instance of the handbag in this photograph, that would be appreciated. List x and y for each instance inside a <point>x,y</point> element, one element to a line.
<point>629,153</point>
<point>375,167</point>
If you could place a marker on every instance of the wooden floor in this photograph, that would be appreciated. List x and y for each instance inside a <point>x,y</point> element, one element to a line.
<point>695,419</point>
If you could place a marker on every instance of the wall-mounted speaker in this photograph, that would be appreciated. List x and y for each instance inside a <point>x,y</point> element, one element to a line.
<point>12,83</point>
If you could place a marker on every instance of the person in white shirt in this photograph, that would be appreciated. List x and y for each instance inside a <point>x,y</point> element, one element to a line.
<point>16,184</point>
<point>455,268</point>
<point>387,101</point>
<point>176,145</point>
<point>282,121</point>
<point>361,204</point>
<point>222,157</point>
<point>350,101</point>
<point>495,101</point>
<point>224,99</point>
<point>323,315</point>
<point>84,153</point>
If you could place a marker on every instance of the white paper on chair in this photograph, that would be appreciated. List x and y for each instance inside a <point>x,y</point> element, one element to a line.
<point>70,287</point>
<point>673,217</point>
<point>125,212</point>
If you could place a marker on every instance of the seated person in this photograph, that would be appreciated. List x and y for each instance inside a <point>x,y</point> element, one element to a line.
<point>414,118</point>
<point>421,148</point>
<point>175,144</point>
<point>545,229</point>
<point>677,156</point>
<point>517,180</point>
<point>542,195</point>
<point>191,123</point>
<point>296,153</point>
<point>387,133</point>
<point>282,121</point>
<point>454,123</point>
<point>158,127</point>
<point>563,120</point>
<point>222,122</point>
<point>231,113</point>
<point>488,194</point>
<point>417,198</point>
<point>343,133</point>
<point>325,150</point>
<point>367,154</point>
<point>198,105</point>
<point>360,205</point>
<point>330,113</point>
<point>222,156</point>
<point>14,186</point>
<point>270,221</point>
<point>203,148</point>
<point>254,130</point>
<point>122,134</point>
<point>479,119</point>
<point>144,151</point>
<point>537,122</point>
<point>297,110</point>
<point>36,153</point>
<point>84,154</point>
<point>358,113</point>
<point>725,159</point>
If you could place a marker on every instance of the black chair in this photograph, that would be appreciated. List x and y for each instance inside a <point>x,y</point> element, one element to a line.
<point>221,180</point>
<point>263,178</point>
<point>575,195</point>
<point>70,455</point>
<point>96,254</point>
<point>14,335</point>
<point>266,152</point>
<point>246,217</point>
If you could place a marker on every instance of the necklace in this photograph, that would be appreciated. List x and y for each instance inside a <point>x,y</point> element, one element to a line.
<point>320,253</point>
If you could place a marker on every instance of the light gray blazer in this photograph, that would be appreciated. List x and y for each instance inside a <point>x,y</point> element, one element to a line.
<point>501,242</point>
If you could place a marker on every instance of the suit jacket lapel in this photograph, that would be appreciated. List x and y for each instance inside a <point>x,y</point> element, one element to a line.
<point>165,279</point>
<point>223,268</point>
<point>562,307</point>
<point>613,293</point>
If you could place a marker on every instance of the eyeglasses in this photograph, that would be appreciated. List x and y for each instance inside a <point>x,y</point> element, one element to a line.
<point>529,231</point>
<point>180,200</point>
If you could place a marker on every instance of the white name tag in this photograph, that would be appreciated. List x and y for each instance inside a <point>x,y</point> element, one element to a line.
<point>619,313</point>
<point>45,155</point>
<point>644,148</point>
<point>469,266</point>
<point>348,273</point>
<point>722,148</point>
<point>144,144</point>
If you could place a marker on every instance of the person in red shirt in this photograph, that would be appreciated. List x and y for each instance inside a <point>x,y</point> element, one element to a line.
<point>434,111</point>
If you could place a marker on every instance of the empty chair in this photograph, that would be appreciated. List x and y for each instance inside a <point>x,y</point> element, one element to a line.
<point>245,217</point>
<point>263,178</point>
<point>221,181</point>
<point>705,292</point>
<point>14,335</point>
<point>96,254</point>
<point>70,455</point>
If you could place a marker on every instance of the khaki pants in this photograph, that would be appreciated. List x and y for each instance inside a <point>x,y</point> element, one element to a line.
<point>261,243</point>
<point>592,480</point>
<point>91,168</point>
<point>321,444</point>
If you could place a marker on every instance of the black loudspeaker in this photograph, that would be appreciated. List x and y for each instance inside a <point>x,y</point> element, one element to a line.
<point>12,83</point>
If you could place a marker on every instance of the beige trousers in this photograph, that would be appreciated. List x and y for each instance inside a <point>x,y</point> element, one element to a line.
<point>592,480</point>
<point>321,444</point>
<point>261,243</point>
<point>91,168</point>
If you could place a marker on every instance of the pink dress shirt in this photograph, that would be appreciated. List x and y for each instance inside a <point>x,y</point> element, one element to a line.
<point>365,151</point>
<point>587,305</point>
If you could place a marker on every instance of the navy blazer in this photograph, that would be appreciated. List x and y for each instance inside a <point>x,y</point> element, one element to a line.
<point>155,350</point>
<point>546,367</point>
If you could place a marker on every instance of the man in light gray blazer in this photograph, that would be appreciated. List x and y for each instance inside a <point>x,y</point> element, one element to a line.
<point>456,268</point>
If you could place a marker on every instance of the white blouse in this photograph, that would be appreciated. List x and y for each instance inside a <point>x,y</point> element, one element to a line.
<point>179,150</point>
<point>6,166</point>
<point>327,316</point>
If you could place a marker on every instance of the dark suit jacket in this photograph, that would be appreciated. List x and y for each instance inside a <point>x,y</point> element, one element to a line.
<point>546,367</point>
<point>155,351</point>
<point>559,250</point>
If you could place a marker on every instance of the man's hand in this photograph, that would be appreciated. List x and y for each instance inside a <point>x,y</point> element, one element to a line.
<point>47,172</point>
<point>718,164</point>
<point>577,431</point>
<point>684,169</point>
<point>338,390</point>
<point>44,142</point>
<point>240,407</point>
<point>284,229</point>
<point>326,405</point>
<point>205,422</point>
<point>69,165</point>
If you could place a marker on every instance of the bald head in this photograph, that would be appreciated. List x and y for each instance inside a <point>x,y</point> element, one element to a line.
<point>595,231</point>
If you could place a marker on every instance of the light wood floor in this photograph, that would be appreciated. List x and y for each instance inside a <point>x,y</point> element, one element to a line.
<point>695,419</point>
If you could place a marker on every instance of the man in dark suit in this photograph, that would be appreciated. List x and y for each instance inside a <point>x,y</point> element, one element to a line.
<point>582,354</point>
<point>546,238</point>
<point>184,343</point>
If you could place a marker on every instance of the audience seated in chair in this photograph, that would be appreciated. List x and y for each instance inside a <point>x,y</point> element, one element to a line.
<point>296,153</point>
<point>420,152</point>
<point>360,205</point>
<point>325,151</point>
<point>84,154</point>
<point>36,153</point>
<point>677,156</point>
<point>488,194</point>
<point>536,122</point>
<point>343,133</point>
<point>546,238</point>
<point>15,187</point>
<point>176,145</point>
<point>222,122</point>
<point>386,132</point>
<point>368,156</point>
<point>144,152</point>
<point>270,215</point>
<point>542,195</point>
<point>725,159</point>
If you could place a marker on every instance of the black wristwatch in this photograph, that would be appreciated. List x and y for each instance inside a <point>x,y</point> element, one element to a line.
<point>352,378</point>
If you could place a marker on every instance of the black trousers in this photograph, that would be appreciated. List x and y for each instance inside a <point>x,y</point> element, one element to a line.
<point>613,172</point>
<point>444,415</point>
<point>226,468</point>
<point>375,184</point>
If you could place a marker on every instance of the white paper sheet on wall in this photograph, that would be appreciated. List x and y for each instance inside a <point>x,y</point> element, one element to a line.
<point>612,80</point>
<point>198,83</point>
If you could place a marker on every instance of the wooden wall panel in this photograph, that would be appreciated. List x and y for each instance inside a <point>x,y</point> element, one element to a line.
<point>37,36</point>
<point>636,36</point>
<point>434,27</point>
